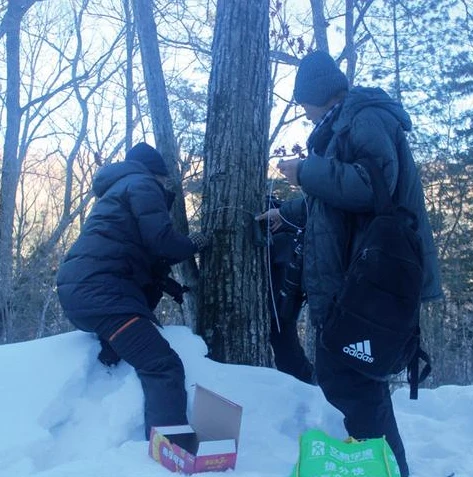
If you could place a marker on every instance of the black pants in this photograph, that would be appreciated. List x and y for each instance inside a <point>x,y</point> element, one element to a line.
<point>289,355</point>
<point>159,368</point>
<point>365,403</point>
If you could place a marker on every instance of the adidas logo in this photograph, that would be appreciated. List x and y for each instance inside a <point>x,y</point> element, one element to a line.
<point>360,350</point>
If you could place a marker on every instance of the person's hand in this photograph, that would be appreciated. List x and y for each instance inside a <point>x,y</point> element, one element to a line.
<point>200,240</point>
<point>107,355</point>
<point>273,217</point>
<point>289,169</point>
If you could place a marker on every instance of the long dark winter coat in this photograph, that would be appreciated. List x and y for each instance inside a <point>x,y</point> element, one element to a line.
<point>368,125</point>
<point>126,242</point>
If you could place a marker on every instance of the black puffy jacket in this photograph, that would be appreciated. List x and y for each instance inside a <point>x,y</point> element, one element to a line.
<point>126,242</point>
<point>368,125</point>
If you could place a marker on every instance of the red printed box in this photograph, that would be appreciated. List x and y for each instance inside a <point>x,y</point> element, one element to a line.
<point>209,443</point>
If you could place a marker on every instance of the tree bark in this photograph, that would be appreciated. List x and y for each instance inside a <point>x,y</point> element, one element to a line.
<point>233,316</point>
<point>320,25</point>
<point>185,272</point>
<point>129,93</point>
<point>11,163</point>
<point>350,52</point>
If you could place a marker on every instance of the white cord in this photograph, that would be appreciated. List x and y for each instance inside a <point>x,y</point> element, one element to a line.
<point>268,253</point>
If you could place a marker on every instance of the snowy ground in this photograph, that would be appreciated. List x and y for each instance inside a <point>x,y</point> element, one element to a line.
<point>63,414</point>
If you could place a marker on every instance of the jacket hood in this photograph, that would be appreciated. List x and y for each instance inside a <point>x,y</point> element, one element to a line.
<point>360,98</point>
<point>111,173</point>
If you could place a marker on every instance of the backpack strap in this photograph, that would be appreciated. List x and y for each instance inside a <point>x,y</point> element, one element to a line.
<point>414,378</point>
<point>383,204</point>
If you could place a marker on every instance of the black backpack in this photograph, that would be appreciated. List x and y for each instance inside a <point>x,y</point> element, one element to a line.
<point>374,326</point>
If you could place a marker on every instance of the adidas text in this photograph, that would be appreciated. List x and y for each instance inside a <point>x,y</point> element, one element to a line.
<point>361,351</point>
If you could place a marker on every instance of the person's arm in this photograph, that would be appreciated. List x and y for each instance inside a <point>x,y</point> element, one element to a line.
<point>291,216</point>
<point>294,214</point>
<point>346,185</point>
<point>148,206</point>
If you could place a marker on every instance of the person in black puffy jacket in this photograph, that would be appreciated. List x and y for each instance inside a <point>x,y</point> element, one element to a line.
<point>109,282</point>
<point>352,126</point>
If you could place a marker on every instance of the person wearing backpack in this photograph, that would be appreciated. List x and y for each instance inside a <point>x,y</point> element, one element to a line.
<point>352,126</point>
<point>115,273</point>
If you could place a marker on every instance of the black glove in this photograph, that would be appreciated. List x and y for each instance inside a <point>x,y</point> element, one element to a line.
<point>200,240</point>
<point>107,355</point>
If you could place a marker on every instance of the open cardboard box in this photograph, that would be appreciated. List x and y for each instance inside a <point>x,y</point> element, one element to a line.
<point>209,443</point>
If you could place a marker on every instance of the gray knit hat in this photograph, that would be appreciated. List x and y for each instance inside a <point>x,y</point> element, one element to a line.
<point>318,79</point>
<point>148,156</point>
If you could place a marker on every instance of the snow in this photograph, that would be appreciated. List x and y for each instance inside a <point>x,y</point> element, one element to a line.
<point>64,414</point>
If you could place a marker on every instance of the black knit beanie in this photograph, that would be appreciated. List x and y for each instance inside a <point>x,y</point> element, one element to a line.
<point>318,79</point>
<point>148,156</point>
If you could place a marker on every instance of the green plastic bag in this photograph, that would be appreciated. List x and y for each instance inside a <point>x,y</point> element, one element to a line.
<point>323,456</point>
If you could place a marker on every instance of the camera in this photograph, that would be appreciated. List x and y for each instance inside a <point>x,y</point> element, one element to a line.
<point>291,295</point>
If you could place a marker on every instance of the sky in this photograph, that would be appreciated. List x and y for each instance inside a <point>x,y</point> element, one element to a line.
<point>64,414</point>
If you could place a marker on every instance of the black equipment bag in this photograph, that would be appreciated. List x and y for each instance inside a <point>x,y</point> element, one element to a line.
<point>374,326</point>
<point>291,296</point>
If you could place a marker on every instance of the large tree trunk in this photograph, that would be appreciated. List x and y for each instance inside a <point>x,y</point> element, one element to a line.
<point>185,272</point>
<point>233,316</point>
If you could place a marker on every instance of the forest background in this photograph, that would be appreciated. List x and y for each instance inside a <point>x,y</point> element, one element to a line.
<point>210,83</point>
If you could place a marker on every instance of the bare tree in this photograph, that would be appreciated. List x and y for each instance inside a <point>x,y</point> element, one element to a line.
<point>129,92</point>
<point>185,272</point>
<point>320,24</point>
<point>10,27</point>
<point>37,119</point>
